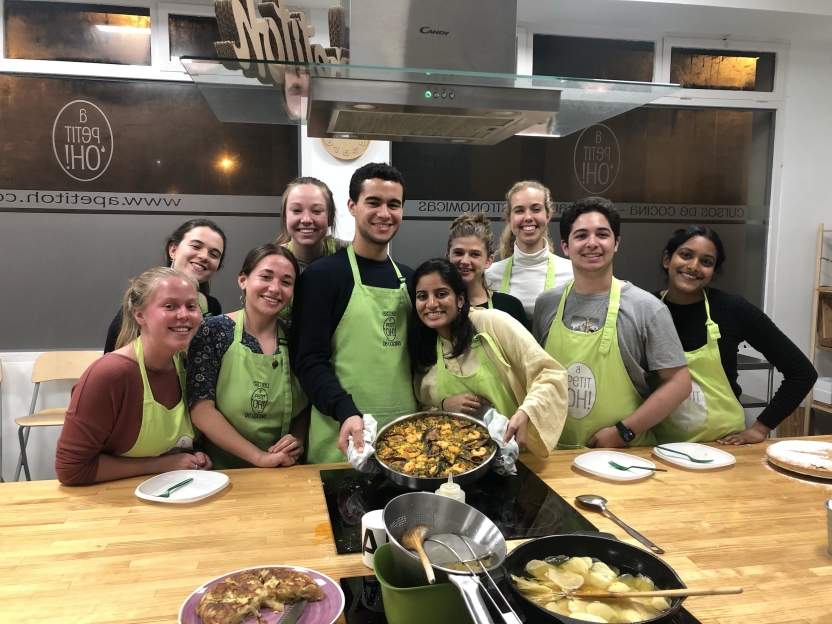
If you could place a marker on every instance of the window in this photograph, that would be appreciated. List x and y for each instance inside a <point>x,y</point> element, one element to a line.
<point>192,35</point>
<point>601,59</point>
<point>721,69</point>
<point>89,33</point>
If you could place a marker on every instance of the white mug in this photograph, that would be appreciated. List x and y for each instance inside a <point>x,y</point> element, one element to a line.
<point>373,535</point>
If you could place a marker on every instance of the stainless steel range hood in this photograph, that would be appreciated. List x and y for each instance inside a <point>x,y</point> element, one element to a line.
<point>469,95</point>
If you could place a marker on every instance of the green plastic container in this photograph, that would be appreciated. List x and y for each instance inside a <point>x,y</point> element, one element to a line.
<point>437,604</point>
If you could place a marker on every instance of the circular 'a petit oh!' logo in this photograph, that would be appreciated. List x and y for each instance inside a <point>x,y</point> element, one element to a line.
<point>693,411</point>
<point>82,140</point>
<point>597,159</point>
<point>259,399</point>
<point>390,328</point>
<point>581,390</point>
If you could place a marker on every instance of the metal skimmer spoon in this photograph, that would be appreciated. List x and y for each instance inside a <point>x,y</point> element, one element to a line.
<point>620,467</point>
<point>594,501</point>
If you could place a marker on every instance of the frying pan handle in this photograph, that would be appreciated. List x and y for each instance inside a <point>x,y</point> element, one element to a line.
<point>633,532</point>
<point>469,588</point>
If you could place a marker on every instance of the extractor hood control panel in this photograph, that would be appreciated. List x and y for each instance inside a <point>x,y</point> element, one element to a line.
<point>439,94</point>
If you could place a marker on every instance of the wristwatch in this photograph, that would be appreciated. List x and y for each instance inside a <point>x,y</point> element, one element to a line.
<point>626,433</point>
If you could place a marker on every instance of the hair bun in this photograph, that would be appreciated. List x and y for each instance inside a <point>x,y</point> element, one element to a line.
<point>463,218</point>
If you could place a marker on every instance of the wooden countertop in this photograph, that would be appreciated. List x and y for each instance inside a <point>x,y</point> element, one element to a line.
<point>100,554</point>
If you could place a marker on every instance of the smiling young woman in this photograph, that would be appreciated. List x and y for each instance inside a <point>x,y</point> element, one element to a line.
<point>711,325</point>
<point>196,247</point>
<point>527,266</point>
<point>241,391</point>
<point>471,250</point>
<point>128,415</point>
<point>307,214</point>
<point>467,359</point>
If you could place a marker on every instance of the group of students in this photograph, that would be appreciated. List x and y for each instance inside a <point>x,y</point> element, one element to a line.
<point>330,330</point>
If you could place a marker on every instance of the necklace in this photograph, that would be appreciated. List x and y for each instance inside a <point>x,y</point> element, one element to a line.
<point>588,317</point>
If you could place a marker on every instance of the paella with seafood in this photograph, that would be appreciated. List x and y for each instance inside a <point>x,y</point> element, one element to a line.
<point>434,446</point>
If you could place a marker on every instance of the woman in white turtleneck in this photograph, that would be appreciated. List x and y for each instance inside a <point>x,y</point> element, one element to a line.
<point>528,266</point>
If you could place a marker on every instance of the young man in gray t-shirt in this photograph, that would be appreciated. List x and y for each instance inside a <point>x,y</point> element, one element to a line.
<point>646,338</point>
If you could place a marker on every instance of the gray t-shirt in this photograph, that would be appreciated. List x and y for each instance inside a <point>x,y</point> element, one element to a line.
<point>647,338</point>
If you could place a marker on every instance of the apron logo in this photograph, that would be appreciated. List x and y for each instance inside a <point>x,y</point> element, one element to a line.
<point>691,414</point>
<point>389,329</point>
<point>581,390</point>
<point>259,399</point>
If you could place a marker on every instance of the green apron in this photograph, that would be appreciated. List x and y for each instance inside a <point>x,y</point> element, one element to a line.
<point>601,393</point>
<point>203,307</point>
<point>550,275</point>
<point>370,359</point>
<point>256,397</point>
<point>484,382</point>
<point>711,411</point>
<point>162,429</point>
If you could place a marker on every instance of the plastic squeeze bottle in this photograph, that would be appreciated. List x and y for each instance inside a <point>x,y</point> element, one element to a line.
<point>451,490</point>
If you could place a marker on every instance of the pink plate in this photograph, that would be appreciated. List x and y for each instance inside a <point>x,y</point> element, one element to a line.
<point>325,611</point>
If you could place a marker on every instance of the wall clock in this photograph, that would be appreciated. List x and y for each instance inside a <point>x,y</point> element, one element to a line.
<point>346,149</point>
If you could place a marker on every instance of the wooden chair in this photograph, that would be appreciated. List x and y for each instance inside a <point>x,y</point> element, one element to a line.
<point>51,366</point>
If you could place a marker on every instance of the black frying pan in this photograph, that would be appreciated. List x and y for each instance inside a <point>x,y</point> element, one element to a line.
<point>609,550</point>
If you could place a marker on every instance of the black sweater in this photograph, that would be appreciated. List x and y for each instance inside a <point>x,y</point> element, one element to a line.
<point>740,321</point>
<point>214,309</point>
<point>321,297</point>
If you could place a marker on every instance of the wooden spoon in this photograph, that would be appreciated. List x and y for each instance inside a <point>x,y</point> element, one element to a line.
<point>666,593</point>
<point>413,539</point>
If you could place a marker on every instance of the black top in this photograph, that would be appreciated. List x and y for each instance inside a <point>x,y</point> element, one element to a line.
<point>212,340</point>
<point>510,305</point>
<point>740,321</point>
<point>214,309</point>
<point>321,296</point>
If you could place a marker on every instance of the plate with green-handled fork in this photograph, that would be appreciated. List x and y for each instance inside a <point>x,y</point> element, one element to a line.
<point>616,466</point>
<point>694,456</point>
<point>182,486</point>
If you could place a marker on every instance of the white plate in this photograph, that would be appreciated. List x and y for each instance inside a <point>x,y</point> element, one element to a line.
<point>204,484</point>
<point>598,463</point>
<point>699,451</point>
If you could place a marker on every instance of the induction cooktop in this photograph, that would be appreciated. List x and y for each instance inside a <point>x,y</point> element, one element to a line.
<point>522,506</point>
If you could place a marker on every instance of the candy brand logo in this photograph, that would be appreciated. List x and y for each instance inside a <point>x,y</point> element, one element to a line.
<point>259,399</point>
<point>390,328</point>
<point>82,140</point>
<point>281,35</point>
<point>581,390</point>
<point>597,159</point>
<point>426,30</point>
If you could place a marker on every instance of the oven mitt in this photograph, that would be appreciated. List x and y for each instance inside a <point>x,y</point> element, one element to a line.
<point>506,453</point>
<point>366,460</point>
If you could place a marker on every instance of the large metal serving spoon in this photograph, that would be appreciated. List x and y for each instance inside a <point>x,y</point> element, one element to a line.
<point>593,501</point>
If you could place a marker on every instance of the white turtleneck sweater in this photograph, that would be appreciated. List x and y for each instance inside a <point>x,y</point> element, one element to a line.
<point>528,275</point>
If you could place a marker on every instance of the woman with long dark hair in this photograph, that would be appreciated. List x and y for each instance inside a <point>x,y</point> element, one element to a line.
<point>196,247</point>
<point>242,393</point>
<point>711,325</point>
<point>465,359</point>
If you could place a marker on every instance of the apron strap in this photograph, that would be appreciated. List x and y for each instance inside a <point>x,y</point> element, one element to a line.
<point>356,276</point>
<point>137,347</point>
<point>493,345</point>
<point>238,326</point>
<point>608,333</point>
<point>712,328</point>
<point>562,304</point>
<point>550,273</point>
<point>504,284</point>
